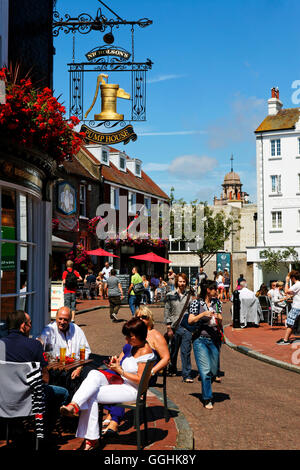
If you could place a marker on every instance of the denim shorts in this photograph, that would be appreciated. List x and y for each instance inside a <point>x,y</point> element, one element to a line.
<point>70,301</point>
<point>292,317</point>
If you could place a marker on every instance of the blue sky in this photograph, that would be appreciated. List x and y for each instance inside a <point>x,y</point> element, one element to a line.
<point>215,63</point>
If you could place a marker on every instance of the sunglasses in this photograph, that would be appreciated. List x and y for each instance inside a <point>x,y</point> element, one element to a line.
<point>143,317</point>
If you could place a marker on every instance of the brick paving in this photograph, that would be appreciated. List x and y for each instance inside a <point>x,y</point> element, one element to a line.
<point>255,405</point>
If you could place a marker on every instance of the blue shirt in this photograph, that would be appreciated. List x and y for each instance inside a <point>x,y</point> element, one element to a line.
<point>20,348</point>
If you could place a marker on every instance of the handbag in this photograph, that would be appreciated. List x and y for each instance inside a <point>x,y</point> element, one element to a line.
<point>112,377</point>
<point>177,323</point>
<point>138,288</point>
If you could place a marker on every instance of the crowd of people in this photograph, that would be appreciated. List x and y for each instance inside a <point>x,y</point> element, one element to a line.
<point>193,320</point>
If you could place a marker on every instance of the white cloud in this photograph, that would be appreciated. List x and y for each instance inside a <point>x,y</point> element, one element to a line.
<point>163,78</point>
<point>155,167</point>
<point>192,166</point>
<point>245,116</point>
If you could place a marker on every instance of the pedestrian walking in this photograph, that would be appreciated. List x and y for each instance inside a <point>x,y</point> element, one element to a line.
<point>135,291</point>
<point>179,337</point>
<point>106,272</point>
<point>294,313</point>
<point>115,295</point>
<point>206,339</point>
<point>70,278</point>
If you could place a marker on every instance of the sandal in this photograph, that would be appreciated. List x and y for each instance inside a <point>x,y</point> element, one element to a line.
<point>188,381</point>
<point>71,410</point>
<point>89,444</point>
<point>106,422</point>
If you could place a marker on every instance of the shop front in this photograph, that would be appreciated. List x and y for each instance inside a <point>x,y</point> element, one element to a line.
<point>25,235</point>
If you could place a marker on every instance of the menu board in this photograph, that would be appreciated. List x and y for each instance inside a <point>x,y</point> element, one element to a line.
<point>125,283</point>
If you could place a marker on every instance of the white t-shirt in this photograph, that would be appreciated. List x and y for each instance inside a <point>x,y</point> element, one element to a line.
<point>296,294</point>
<point>106,272</point>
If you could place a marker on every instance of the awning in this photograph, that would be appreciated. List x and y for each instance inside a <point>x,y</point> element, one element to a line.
<point>60,243</point>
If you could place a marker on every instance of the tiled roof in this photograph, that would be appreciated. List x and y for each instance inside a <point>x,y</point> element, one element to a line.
<point>284,119</point>
<point>74,167</point>
<point>112,174</point>
<point>144,184</point>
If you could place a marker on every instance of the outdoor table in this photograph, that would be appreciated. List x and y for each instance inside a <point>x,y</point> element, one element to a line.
<point>60,374</point>
<point>57,365</point>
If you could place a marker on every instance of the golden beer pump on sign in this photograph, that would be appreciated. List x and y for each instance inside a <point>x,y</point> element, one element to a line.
<point>109,94</point>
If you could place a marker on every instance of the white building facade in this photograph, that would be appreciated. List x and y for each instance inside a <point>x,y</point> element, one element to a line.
<point>278,186</point>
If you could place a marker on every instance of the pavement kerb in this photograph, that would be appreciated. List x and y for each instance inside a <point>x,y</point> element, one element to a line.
<point>262,357</point>
<point>185,435</point>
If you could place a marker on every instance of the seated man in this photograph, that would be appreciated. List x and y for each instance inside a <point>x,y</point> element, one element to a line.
<point>20,348</point>
<point>62,333</point>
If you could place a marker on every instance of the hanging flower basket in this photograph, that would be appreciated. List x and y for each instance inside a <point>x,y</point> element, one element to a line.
<point>34,118</point>
<point>92,224</point>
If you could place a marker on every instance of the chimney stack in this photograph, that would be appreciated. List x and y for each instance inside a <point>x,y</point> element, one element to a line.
<point>274,103</point>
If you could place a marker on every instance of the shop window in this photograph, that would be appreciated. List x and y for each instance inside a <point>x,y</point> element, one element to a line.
<point>17,251</point>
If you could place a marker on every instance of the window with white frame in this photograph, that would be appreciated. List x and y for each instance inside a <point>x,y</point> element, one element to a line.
<point>276,184</point>
<point>138,169</point>
<point>276,220</point>
<point>298,183</point>
<point>122,163</point>
<point>131,202</point>
<point>275,148</point>
<point>82,200</point>
<point>104,156</point>
<point>147,204</point>
<point>114,197</point>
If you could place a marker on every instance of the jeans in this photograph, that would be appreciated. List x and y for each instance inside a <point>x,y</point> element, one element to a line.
<point>55,397</point>
<point>134,302</point>
<point>182,340</point>
<point>207,359</point>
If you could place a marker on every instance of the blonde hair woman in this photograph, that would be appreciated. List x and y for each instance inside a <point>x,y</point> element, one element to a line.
<point>154,338</point>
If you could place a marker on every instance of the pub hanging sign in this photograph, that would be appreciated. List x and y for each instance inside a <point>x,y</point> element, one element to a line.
<point>123,135</point>
<point>107,51</point>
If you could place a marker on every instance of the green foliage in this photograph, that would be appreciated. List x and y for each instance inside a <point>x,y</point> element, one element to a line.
<point>275,259</point>
<point>217,228</point>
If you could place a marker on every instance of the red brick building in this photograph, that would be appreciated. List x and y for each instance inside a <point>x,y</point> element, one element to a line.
<point>102,175</point>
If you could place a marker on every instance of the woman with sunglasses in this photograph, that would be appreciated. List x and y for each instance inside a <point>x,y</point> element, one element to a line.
<point>96,389</point>
<point>159,346</point>
<point>205,315</point>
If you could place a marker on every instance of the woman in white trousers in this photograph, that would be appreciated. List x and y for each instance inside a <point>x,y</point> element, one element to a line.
<point>96,388</point>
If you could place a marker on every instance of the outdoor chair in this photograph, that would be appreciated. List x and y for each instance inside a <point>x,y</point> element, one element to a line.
<point>22,395</point>
<point>138,407</point>
<point>164,387</point>
<point>275,314</point>
<point>265,307</point>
